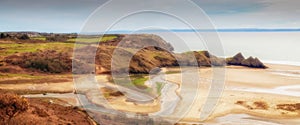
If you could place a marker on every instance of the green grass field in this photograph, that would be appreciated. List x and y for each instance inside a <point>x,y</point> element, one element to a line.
<point>7,49</point>
<point>93,39</point>
<point>38,38</point>
<point>139,81</point>
<point>136,80</point>
<point>12,48</point>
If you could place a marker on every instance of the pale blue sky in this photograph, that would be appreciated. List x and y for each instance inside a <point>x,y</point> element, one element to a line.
<point>70,15</point>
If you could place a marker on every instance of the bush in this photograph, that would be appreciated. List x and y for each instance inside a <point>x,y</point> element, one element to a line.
<point>24,37</point>
<point>11,105</point>
<point>46,61</point>
<point>4,35</point>
<point>57,37</point>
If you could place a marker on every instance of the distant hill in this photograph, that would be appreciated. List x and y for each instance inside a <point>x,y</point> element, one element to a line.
<point>145,60</point>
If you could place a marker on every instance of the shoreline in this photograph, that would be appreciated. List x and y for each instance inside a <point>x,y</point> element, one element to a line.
<point>288,63</point>
<point>250,78</point>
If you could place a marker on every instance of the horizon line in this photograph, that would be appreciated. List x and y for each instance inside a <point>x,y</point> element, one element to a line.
<point>217,30</point>
<point>184,30</point>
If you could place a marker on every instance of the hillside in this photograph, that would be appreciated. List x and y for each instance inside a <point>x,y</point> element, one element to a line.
<point>58,59</point>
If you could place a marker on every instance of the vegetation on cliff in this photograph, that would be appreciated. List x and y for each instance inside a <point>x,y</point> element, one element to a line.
<point>147,53</point>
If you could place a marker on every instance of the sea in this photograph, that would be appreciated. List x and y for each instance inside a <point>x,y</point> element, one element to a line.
<point>269,47</point>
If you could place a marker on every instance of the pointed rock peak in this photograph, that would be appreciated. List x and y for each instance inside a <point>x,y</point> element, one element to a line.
<point>253,62</point>
<point>256,59</point>
<point>235,60</point>
<point>239,56</point>
<point>250,58</point>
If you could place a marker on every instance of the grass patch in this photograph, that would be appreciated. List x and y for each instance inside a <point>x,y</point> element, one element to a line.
<point>159,86</point>
<point>88,40</point>
<point>9,49</point>
<point>173,72</point>
<point>38,38</point>
<point>139,81</point>
<point>110,93</point>
<point>27,76</point>
<point>92,39</point>
<point>136,80</point>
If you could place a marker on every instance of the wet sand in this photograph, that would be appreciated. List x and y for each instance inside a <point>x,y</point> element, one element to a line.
<point>249,86</point>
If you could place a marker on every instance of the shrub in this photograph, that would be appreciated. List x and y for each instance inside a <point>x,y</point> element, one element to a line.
<point>4,35</point>
<point>46,61</point>
<point>57,37</point>
<point>24,37</point>
<point>11,105</point>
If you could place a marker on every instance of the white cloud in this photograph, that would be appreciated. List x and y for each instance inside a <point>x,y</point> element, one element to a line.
<point>274,14</point>
<point>70,14</point>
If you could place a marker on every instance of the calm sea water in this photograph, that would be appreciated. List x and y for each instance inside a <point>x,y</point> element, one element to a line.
<point>271,47</point>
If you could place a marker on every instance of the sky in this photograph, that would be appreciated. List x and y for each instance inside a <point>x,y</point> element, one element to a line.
<point>71,15</point>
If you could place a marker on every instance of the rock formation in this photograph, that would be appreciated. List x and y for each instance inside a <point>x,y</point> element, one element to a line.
<point>235,60</point>
<point>239,60</point>
<point>138,41</point>
<point>253,62</point>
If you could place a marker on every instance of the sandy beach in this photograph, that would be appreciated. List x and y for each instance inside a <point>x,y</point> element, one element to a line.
<point>256,92</point>
<point>262,94</point>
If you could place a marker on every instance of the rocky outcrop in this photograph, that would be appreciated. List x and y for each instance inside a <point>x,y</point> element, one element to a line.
<point>239,60</point>
<point>253,62</point>
<point>110,58</point>
<point>142,40</point>
<point>139,41</point>
<point>235,60</point>
<point>199,58</point>
<point>193,58</point>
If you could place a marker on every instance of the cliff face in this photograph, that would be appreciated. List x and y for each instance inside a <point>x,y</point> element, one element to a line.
<point>150,58</point>
<point>143,61</point>
<point>199,58</point>
<point>137,41</point>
